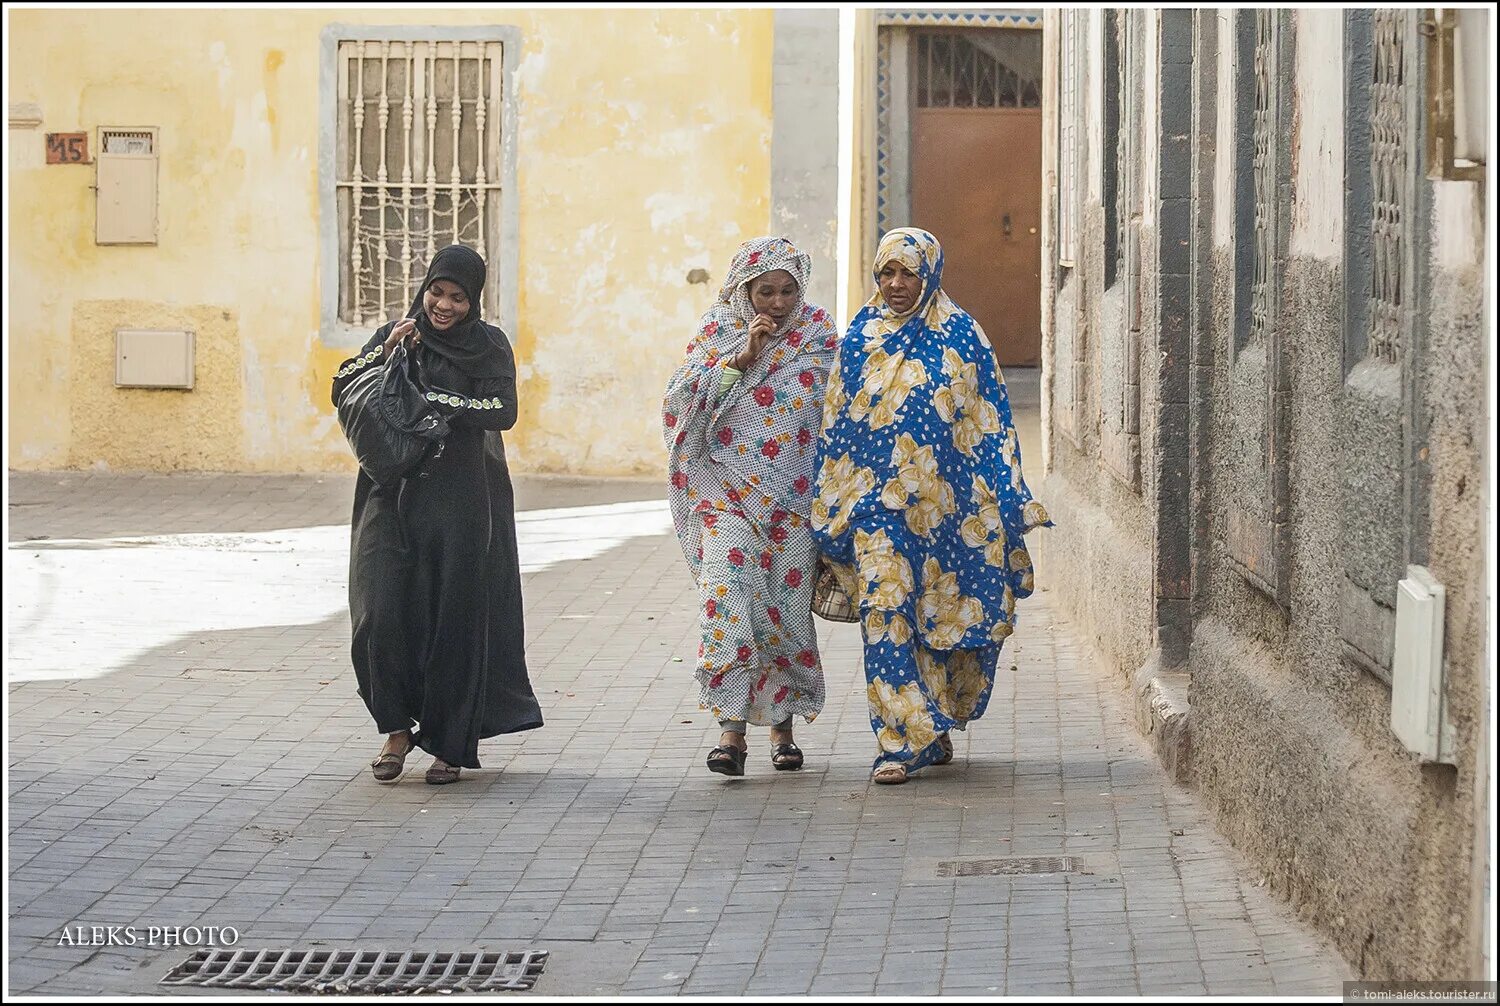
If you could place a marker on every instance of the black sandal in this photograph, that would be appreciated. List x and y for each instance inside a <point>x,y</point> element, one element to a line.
<point>727,759</point>
<point>786,757</point>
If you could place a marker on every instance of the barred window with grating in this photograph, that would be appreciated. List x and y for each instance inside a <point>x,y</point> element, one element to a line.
<point>1265,127</point>
<point>1263,177</point>
<point>983,68</point>
<point>417,166</point>
<point>1390,72</point>
<point>1126,82</point>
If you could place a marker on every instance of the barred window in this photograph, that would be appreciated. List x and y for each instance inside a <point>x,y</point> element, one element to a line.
<point>417,166</point>
<point>988,68</point>
<point>1266,126</point>
<point>1067,140</point>
<point>1263,170</point>
<point>1389,172</point>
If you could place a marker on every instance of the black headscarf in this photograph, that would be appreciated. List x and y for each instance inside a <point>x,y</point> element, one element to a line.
<point>470,344</point>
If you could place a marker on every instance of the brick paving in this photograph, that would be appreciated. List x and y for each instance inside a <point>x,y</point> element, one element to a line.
<point>186,748</point>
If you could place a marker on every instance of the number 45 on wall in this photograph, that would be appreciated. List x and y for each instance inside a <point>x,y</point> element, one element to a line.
<point>68,148</point>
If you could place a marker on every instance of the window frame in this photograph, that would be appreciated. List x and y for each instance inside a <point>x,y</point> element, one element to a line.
<point>503,260</point>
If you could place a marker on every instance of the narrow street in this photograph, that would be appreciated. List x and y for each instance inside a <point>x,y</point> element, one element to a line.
<point>187,748</point>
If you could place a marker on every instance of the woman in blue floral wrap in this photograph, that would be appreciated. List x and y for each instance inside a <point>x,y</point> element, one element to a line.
<point>921,505</point>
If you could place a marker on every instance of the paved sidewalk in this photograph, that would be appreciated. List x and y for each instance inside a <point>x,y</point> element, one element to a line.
<point>187,748</point>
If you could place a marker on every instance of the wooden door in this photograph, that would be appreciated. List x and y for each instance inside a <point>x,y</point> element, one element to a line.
<point>976,183</point>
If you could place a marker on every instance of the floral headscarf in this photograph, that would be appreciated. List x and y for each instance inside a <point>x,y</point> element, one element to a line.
<point>733,311</point>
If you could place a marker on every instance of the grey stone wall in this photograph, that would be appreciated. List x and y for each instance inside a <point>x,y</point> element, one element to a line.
<point>1292,743</point>
<point>1103,546</point>
<point>1289,482</point>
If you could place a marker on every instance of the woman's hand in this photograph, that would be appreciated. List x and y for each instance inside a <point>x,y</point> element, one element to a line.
<point>403,329</point>
<point>761,330</point>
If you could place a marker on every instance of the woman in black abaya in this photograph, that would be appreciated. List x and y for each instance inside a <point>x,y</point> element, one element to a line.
<point>434,580</point>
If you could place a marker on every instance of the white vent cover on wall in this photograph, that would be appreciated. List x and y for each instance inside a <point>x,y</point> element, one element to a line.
<point>1418,713</point>
<point>154,358</point>
<point>128,141</point>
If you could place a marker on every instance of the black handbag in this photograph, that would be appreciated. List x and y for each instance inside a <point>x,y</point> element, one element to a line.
<point>392,427</point>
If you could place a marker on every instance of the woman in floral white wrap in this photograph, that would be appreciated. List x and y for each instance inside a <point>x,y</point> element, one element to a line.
<point>741,419</point>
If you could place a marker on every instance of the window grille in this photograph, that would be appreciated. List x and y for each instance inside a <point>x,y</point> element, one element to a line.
<point>417,166</point>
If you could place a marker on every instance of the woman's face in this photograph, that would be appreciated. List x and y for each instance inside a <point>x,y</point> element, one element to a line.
<point>900,286</point>
<point>774,294</point>
<point>445,303</point>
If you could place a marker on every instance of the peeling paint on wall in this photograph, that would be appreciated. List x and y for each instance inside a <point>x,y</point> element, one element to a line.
<point>1318,210</point>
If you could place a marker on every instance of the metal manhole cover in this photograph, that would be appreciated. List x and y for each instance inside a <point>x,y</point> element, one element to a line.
<point>1007,866</point>
<point>356,971</point>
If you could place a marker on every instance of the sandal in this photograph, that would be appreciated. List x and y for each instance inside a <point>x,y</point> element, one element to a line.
<point>388,766</point>
<point>786,757</point>
<point>945,745</point>
<point>890,774</point>
<point>727,759</point>
<point>439,775</point>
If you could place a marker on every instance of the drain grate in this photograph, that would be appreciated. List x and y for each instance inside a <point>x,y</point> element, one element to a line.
<point>1008,866</point>
<point>360,971</point>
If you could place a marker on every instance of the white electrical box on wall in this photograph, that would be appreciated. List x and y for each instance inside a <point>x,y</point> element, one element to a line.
<point>1418,711</point>
<point>125,187</point>
<point>153,358</point>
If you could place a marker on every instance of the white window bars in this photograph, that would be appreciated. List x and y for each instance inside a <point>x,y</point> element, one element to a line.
<point>417,166</point>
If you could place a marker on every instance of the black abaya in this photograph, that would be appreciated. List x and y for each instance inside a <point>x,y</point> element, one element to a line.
<point>435,580</point>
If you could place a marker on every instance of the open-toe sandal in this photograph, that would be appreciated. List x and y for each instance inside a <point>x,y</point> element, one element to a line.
<point>727,759</point>
<point>786,757</point>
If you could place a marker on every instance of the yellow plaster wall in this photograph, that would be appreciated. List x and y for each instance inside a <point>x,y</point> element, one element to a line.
<point>643,153</point>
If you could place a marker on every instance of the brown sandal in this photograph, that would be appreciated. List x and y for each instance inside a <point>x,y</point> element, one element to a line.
<point>386,767</point>
<point>890,774</point>
<point>439,776</point>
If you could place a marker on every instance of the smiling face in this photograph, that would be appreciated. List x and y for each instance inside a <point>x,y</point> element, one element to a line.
<point>775,294</point>
<point>899,286</point>
<point>446,304</point>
